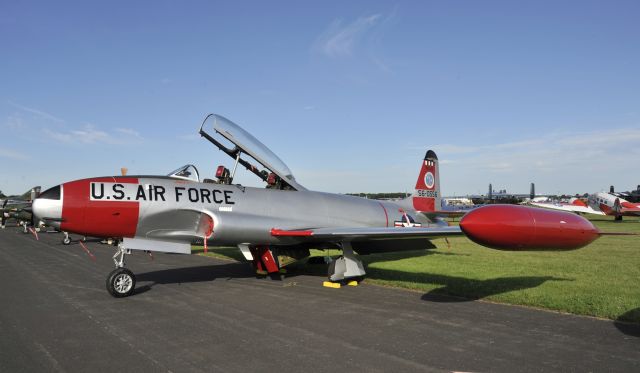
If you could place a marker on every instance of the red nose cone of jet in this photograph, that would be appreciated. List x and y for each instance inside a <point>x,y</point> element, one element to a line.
<point>512,227</point>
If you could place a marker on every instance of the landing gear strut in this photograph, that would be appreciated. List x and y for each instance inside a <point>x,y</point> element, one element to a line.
<point>347,266</point>
<point>121,282</point>
<point>66,240</point>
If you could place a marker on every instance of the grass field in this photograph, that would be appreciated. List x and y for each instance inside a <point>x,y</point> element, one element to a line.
<point>602,279</point>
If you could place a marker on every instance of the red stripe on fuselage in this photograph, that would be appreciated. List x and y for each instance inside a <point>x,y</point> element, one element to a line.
<point>385,213</point>
<point>98,218</point>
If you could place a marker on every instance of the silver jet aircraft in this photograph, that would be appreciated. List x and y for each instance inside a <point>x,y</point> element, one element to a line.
<point>19,208</point>
<point>278,224</point>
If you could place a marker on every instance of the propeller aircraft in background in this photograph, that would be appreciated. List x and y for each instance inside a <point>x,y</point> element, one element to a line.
<point>600,203</point>
<point>278,224</point>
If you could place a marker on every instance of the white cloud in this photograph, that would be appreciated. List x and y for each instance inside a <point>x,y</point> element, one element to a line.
<point>89,134</point>
<point>37,112</point>
<point>132,134</point>
<point>15,122</point>
<point>570,162</point>
<point>340,40</point>
<point>12,154</point>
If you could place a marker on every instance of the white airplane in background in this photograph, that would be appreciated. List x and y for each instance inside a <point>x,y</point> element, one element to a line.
<point>601,203</point>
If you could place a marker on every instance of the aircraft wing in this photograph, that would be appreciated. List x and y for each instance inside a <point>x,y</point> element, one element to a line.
<point>369,240</point>
<point>367,233</point>
<point>568,207</point>
<point>630,210</point>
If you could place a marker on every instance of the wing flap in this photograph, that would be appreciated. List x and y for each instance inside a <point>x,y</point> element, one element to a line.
<point>367,233</point>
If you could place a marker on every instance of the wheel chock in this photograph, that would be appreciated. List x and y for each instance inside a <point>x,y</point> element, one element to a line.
<point>352,283</point>
<point>329,284</point>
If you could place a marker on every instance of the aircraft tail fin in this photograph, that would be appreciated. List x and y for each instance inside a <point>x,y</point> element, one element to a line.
<point>532,191</point>
<point>426,196</point>
<point>31,194</point>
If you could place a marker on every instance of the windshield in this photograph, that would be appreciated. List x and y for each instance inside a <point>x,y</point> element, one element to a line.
<point>186,172</point>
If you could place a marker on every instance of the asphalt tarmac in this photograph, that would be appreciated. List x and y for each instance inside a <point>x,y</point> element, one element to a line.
<point>192,314</point>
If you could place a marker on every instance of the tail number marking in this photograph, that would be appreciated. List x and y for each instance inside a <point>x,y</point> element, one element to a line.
<point>427,193</point>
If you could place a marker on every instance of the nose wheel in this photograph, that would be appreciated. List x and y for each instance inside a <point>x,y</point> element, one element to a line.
<point>121,282</point>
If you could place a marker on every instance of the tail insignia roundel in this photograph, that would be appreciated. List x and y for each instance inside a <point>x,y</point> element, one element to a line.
<point>426,196</point>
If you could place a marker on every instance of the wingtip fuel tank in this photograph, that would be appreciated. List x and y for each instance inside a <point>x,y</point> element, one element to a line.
<point>511,227</point>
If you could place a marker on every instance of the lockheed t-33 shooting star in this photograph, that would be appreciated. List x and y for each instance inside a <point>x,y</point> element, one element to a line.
<point>278,224</point>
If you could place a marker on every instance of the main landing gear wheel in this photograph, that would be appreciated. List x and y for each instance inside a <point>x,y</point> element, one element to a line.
<point>121,282</point>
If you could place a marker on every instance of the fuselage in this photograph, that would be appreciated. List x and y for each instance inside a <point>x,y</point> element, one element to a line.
<point>173,209</point>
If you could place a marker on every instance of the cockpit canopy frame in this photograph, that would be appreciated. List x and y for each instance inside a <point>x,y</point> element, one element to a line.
<point>187,172</point>
<point>248,150</point>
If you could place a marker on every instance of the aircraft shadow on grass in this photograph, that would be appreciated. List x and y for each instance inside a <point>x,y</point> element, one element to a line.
<point>462,289</point>
<point>626,326</point>
<point>455,289</point>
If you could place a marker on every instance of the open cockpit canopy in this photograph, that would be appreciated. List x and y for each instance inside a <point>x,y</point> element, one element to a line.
<point>248,150</point>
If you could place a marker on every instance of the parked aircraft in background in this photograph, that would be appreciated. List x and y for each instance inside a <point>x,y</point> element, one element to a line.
<point>278,224</point>
<point>499,196</point>
<point>19,208</point>
<point>601,203</point>
<point>632,196</point>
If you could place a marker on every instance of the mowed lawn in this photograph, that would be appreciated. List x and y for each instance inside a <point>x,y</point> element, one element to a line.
<point>602,279</point>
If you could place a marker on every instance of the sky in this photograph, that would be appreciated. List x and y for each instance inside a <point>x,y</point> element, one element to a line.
<point>349,94</point>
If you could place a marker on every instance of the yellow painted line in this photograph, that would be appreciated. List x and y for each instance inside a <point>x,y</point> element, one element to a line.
<point>353,283</point>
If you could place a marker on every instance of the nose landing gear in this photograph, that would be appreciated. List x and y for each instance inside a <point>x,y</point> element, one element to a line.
<point>121,282</point>
<point>66,240</point>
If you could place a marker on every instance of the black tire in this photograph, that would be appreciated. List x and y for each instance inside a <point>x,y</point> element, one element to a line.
<point>121,283</point>
<point>66,240</point>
